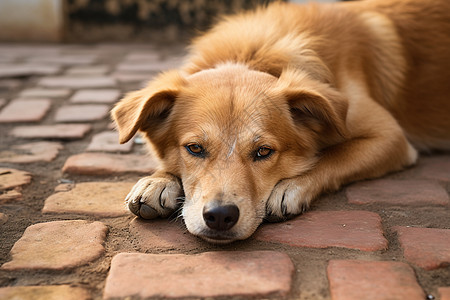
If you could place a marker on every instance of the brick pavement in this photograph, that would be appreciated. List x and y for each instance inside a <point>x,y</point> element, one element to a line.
<point>65,232</point>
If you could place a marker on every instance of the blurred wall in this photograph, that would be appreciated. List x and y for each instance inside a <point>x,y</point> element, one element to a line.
<point>31,20</point>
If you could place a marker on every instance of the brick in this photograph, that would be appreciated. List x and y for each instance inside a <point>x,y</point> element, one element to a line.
<point>31,152</point>
<point>108,141</point>
<point>3,219</point>
<point>58,245</point>
<point>107,164</point>
<point>444,293</point>
<point>138,57</point>
<point>436,167</point>
<point>101,199</point>
<point>88,70</point>
<point>11,178</point>
<point>398,192</point>
<point>381,280</point>
<point>81,113</point>
<point>210,274</point>
<point>2,102</point>
<point>156,66</point>
<point>96,96</point>
<point>65,60</point>
<point>20,70</point>
<point>44,93</point>
<point>75,82</point>
<point>162,235</point>
<point>124,77</point>
<point>321,229</point>
<point>25,111</point>
<point>59,131</point>
<point>428,248</point>
<point>10,84</point>
<point>10,195</point>
<point>49,292</point>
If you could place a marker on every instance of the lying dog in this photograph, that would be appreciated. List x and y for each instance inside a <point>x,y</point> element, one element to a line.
<point>276,106</point>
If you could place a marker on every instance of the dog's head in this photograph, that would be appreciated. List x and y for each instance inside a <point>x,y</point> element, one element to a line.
<point>231,134</point>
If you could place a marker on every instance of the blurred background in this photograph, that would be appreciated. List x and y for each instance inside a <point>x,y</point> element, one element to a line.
<point>84,21</point>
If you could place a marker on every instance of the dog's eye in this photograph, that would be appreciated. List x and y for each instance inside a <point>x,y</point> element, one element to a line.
<point>263,152</point>
<point>195,149</point>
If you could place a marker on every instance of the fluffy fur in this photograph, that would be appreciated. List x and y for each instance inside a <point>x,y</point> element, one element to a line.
<point>329,93</point>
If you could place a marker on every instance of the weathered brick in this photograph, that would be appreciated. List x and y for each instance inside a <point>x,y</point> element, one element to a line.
<point>444,293</point>
<point>95,96</point>
<point>49,292</point>
<point>81,113</point>
<point>3,218</point>
<point>59,131</point>
<point>436,167</point>
<point>381,280</point>
<point>44,93</point>
<point>126,77</point>
<point>101,199</point>
<point>88,70</point>
<point>398,192</point>
<point>108,141</point>
<point>106,164</point>
<point>138,57</point>
<point>321,229</point>
<point>66,60</point>
<point>428,248</point>
<point>77,82</point>
<point>19,70</point>
<point>162,234</point>
<point>156,66</point>
<point>210,274</point>
<point>25,111</point>
<point>31,152</point>
<point>11,178</point>
<point>58,245</point>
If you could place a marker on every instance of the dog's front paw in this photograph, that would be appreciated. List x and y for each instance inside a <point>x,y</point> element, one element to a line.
<point>290,197</point>
<point>153,197</point>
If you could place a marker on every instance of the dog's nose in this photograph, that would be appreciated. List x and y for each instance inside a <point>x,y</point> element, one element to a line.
<point>220,217</point>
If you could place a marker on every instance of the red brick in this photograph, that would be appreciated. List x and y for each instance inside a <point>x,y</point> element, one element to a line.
<point>11,178</point>
<point>96,96</point>
<point>75,82</point>
<point>32,152</point>
<point>108,141</point>
<point>436,167</point>
<point>211,274</point>
<point>321,229</point>
<point>398,192</point>
<point>58,245</point>
<point>163,234</point>
<point>59,131</point>
<point>381,280</point>
<point>428,248</point>
<point>81,113</point>
<point>101,199</point>
<point>444,293</point>
<point>44,93</point>
<point>106,164</point>
<point>25,111</point>
<point>49,292</point>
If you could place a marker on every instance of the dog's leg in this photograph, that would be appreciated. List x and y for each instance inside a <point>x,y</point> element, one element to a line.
<point>377,146</point>
<point>155,196</point>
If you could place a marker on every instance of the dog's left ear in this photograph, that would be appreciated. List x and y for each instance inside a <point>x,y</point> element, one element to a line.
<point>149,106</point>
<point>317,106</point>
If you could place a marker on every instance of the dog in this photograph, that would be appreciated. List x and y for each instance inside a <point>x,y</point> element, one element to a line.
<point>275,106</point>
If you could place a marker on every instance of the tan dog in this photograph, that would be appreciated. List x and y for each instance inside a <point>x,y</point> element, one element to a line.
<point>276,106</point>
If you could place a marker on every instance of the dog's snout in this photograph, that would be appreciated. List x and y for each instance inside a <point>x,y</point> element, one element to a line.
<point>220,217</point>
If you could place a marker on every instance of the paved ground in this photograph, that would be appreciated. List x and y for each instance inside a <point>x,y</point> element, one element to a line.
<point>65,234</point>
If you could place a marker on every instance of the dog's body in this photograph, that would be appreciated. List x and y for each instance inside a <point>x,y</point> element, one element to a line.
<point>274,107</point>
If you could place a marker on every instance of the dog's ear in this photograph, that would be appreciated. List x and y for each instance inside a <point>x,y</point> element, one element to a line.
<point>147,107</point>
<point>318,107</point>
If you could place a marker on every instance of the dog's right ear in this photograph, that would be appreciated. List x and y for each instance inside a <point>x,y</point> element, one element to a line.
<point>147,107</point>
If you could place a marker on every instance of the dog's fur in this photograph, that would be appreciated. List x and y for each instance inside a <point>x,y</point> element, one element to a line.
<point>339,92</point>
